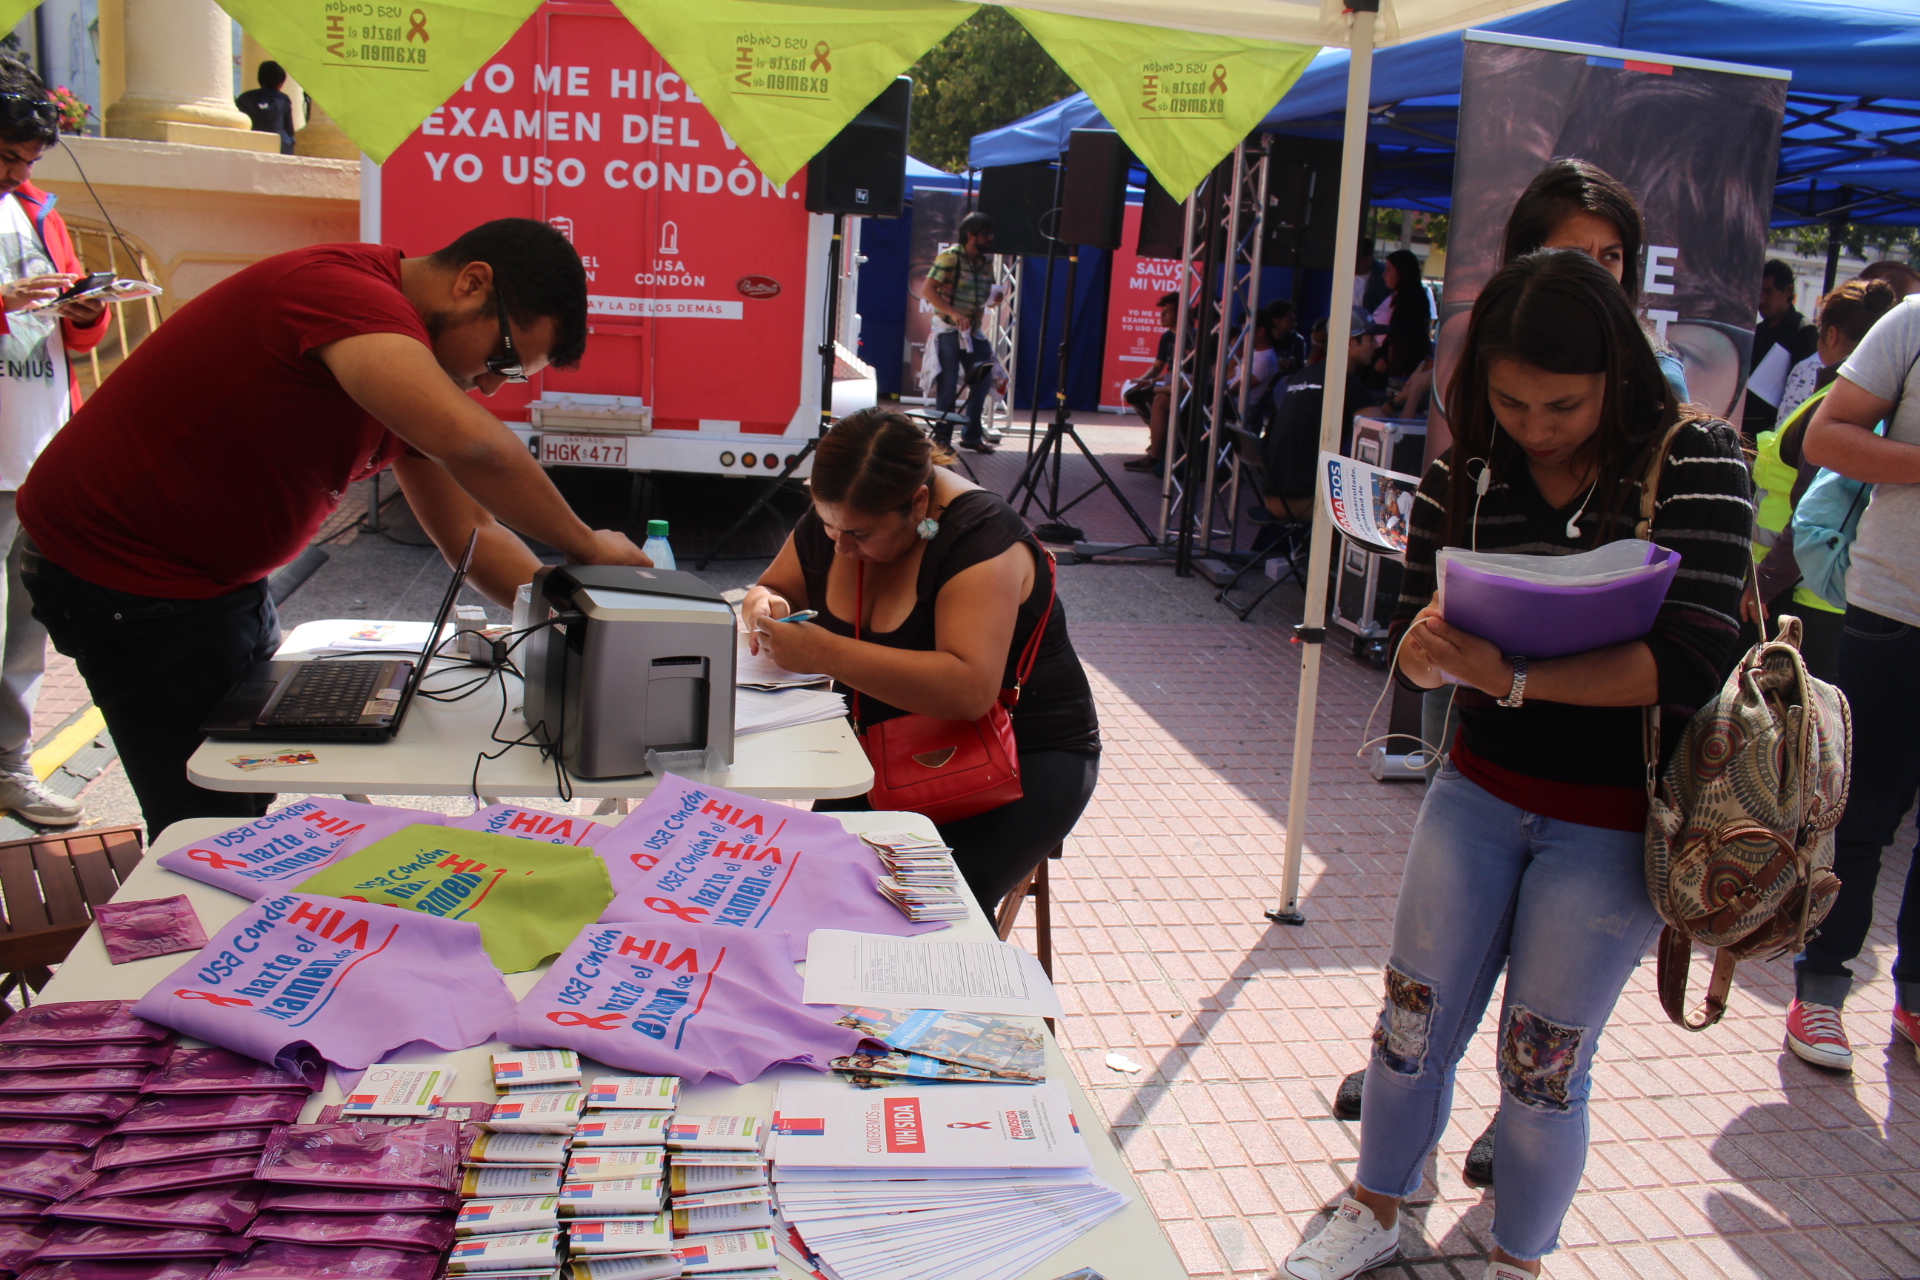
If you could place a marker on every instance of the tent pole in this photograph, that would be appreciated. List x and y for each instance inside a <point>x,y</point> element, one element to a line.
<point>1312,631</point>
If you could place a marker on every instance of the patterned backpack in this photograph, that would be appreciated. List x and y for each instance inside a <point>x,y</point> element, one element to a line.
<point>1740,823</point>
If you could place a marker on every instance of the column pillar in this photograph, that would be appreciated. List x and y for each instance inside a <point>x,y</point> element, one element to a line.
<point>179,78</point>
<point>324,139</point>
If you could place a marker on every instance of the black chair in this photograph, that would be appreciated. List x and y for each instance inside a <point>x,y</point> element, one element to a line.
<point>1277,536</point>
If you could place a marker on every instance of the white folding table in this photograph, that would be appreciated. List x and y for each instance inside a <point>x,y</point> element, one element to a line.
<point>435,750</point>
<point>1128,1246</point>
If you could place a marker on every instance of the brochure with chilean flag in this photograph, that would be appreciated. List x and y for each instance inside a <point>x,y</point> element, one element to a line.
<point>824,1125</point>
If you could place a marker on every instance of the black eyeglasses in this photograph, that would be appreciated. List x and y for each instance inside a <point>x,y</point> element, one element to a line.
<point>507,366</point>
<point>17,109</point>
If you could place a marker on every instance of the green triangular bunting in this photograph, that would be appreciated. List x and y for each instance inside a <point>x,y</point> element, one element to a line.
<point>380,69</point>
<point>1180,99</point>
<point>784,78</point>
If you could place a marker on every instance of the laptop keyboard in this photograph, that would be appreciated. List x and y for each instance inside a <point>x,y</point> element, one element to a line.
<point>328,693</point>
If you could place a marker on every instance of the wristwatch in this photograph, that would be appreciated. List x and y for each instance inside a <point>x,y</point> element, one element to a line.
<point>1518,694</point>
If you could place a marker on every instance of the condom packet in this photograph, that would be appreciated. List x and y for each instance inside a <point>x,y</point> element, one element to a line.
<point>282,1260</point>
<point>52,1174</point>
<point>126,1079</point>
<point>164,1113</point>
<point>225,1206</point>
<point>20,1241</point>
<point>100,1269</point>
<point>81,1022</point>
<point>366,1157</point>
<point>22,1208</point>
<point>298,1199</point>
<point>416,1232</point>
<point>52,1133</point>
<point>149,927</point>
<point>128,1150</point>
<point>82,1108</point>
<point>210,1070</point>
<point>148,1178</point>
<point>68,1057</point>
<point>110,1240</point>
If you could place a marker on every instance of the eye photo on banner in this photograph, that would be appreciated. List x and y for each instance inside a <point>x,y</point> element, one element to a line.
<point>1696,143</point>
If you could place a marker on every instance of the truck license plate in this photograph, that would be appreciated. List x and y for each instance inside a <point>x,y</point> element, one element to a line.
<point>583,451</point>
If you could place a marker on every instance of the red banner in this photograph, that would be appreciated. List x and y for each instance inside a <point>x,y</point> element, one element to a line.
<point>1133,313</point>
<point>697,265</point>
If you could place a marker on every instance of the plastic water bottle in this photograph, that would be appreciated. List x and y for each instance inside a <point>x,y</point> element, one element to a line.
<point>658,549</point>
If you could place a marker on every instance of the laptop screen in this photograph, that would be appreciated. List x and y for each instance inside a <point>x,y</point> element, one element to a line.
<point>435,632</point>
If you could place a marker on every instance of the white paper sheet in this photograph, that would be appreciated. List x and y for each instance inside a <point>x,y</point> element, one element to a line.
<point>760,671</point>
<point>925,973</point>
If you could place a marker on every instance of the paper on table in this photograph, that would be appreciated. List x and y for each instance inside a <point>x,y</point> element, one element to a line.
<point>874,969</point>
<point>361,635</point>
<point>760,671</point>
<point>757,710</point>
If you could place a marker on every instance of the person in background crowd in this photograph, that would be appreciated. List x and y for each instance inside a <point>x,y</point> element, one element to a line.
<point>1293,443</point>
<point>1151,394</point>
<point>155,517</point>
<point>1781,474</point>
<point>1283,330</point>
<point>1370,286</point>
<point>39,390</point>
<point>1781,325</point>
<point>1879,654</point>
<point>1407,313</point>
<point>1530,846</point>
<point>270,110</point>
<point>1902,276</point>
<point>945,585</point>
<point>960,287</point>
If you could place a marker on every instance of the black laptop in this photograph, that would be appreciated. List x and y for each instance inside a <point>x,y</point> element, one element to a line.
<point>331,700</point>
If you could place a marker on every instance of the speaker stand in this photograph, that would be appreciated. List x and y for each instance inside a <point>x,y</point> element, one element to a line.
<point>1052,447</point>
<point>832,335</point>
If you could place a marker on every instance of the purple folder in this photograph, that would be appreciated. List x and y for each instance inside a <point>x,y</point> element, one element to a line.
<point>1548,621</point>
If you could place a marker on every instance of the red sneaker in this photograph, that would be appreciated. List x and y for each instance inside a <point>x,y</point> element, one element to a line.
<point>1814,1034</point>
<point>1907,1026</point>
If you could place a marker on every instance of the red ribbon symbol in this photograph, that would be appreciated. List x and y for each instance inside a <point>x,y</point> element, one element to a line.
<point>1219,84</point>
<point>210,998</point>
<point>668,907</point>
<point>820,52</point>
<point>971,1124</point>
<point>218,861</point>
<point>568,1018</point>
<point>419,28</point>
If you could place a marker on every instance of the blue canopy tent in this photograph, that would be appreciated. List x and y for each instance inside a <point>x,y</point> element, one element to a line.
<point>1850,150</point>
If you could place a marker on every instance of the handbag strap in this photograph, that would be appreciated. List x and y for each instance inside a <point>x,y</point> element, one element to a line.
<point>1028,656</point>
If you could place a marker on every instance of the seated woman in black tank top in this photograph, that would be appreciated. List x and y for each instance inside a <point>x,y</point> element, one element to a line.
<point>954,586</point>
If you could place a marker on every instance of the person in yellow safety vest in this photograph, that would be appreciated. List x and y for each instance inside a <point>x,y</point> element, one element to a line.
<point>1776,488</point>
<point>1781,475</point>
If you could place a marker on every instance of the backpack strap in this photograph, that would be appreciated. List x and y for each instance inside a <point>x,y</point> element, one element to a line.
<point>1675,957</point>
<point>1650,483</point>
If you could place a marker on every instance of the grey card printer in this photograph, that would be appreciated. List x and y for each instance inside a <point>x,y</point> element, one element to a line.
<point>633,660</point>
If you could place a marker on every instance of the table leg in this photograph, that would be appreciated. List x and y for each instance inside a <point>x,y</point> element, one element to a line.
<point>355,799</point>
<point>613,804</point>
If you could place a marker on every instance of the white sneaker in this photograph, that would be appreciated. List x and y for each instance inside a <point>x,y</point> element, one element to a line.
<point>27,796</point>
<point>1352,1241</point>
<point>1506,1271</point>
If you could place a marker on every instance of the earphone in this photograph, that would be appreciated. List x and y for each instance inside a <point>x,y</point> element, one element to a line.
<point>1481,483</point>
<point>1573,525</point>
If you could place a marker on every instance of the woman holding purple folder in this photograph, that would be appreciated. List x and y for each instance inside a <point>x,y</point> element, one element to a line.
<point>1528,850</point>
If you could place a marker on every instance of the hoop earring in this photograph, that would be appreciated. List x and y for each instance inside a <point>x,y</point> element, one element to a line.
<point>928,529</point>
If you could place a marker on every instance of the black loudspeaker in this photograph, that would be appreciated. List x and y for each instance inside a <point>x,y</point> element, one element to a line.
<point>1303,201</point>
<point>864,169</point>
<point>1163,221</point>
<point>1019,198</point>
<point>1093,205</point>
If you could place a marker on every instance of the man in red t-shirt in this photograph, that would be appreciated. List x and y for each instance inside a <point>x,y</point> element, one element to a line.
<point>214,453</point>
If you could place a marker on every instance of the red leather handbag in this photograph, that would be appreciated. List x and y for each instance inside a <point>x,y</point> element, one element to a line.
<point>948,769</point>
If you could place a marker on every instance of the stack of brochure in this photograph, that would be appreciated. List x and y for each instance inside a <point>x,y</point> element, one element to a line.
<point>921,879</point>
<point>944,1045</point>
<point>757,710</point>
<point>965,1182</point>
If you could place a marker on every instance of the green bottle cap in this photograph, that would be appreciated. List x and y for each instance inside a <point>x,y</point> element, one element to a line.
<point>656,528</point>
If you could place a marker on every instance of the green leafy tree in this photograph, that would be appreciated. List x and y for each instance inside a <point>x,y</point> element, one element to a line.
<point>986,73</point>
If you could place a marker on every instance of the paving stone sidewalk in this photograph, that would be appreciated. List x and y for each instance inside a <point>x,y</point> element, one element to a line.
<point>1713,1155</point>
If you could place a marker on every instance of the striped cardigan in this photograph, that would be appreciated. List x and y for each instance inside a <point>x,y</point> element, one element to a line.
<point>1704,511</point>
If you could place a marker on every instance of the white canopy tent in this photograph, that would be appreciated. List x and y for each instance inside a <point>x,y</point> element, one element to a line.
<point>1362,27</point>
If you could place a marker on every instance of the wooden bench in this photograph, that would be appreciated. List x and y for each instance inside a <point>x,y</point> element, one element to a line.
<point>50,884</point>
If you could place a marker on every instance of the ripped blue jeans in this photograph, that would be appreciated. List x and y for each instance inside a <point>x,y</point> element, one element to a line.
<point>1564,908</point>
